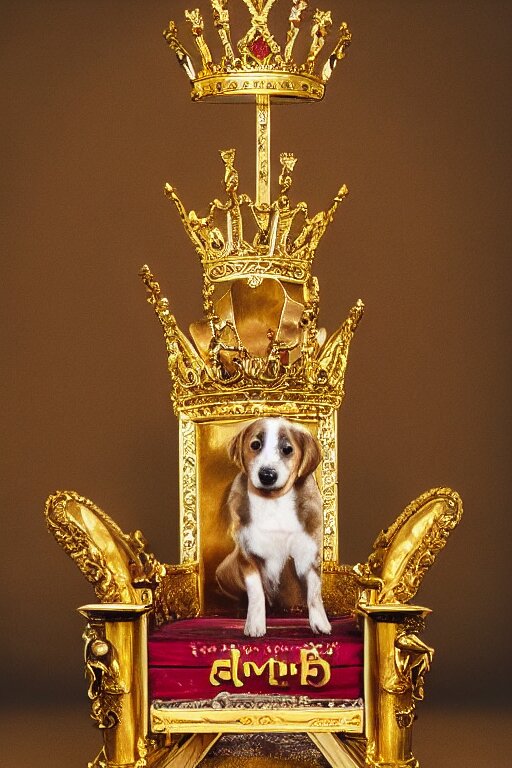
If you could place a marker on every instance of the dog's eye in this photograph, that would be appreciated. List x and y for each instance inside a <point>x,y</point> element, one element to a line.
<point>287,450</point>
<point>256,445</point>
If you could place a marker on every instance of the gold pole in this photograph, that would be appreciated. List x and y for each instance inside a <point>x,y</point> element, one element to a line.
<point>262,150</point>
<point>116,660</point>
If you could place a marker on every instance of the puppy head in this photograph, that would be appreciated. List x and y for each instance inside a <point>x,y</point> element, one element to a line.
<point>274,454</point>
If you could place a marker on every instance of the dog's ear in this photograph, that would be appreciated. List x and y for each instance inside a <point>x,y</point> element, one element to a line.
<point>311,453</point>
<point>236,449</point>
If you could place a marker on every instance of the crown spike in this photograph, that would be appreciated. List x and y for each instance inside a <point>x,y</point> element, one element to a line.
<point>222,25</point>
<point>339,52</point>
<point>257,65</point>
<point>258,43</point>
<point>197,24</point>
<point>258,347</point>
<point>322,22</point>
<point>295,18</point>
<point>259,9</point>
<point>171,35</point>
<point>315,228</point>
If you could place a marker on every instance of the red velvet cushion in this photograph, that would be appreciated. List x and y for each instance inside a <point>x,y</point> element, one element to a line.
<point>200,658</point>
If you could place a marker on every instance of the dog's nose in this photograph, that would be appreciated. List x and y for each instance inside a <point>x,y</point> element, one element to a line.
<point>267,476</point>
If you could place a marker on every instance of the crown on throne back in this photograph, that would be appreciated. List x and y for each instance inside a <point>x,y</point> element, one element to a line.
<point>258,347</point>
<point>283,238</point>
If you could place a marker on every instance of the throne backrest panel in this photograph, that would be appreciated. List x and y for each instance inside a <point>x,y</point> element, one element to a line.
<point>207,472</point>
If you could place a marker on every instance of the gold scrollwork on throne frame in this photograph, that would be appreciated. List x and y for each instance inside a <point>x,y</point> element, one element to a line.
<point>105,686</point>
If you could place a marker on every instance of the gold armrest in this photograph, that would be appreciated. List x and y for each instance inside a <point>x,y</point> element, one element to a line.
<point>115,563</point>
<point>403,553</point>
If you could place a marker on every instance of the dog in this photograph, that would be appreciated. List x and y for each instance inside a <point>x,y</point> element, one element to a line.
<point>276,519</point>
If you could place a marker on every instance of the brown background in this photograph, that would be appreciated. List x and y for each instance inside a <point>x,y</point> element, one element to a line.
<point>417,119</point>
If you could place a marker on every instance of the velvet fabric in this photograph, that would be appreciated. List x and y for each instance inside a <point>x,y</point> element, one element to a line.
<point>289,659</point>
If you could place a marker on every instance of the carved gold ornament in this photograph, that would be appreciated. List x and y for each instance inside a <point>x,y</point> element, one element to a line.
<point>257,351</point>
<point>257,63</point>
<point>403,553</point>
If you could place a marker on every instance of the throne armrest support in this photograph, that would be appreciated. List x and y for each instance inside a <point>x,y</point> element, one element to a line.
<point>403,553</point>
<point>396,663</point>
<point>115,563</point>
<point>115,656</point>
<point>340,588</point>
<point>177,595</point>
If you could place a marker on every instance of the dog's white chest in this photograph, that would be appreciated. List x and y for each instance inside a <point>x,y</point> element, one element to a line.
<point>273,525</point>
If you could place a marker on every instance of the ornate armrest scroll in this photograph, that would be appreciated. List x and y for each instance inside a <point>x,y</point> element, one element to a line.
<point>115,563</point>
<point>403,553</point>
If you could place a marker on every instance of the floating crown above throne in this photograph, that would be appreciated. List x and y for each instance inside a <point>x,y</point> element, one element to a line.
<point>175,678</point>
<point>257,64</point>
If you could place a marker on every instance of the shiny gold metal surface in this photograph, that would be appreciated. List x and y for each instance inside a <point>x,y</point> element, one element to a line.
<point>403,553</point>
<point>302,719</point>
<point>177,595</point>
<point>334,750</point>
<point>257,64</point>
<point>258,351</point>
<point>115,563</point>
<point>262,151</point>
<point>234,383</point>
<point>116,668</point>
<point>395,664</point>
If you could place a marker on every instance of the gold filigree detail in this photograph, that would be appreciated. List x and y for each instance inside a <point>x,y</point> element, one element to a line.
<point>413,659</point>
<point>403,553</point>
<point>322,22</point>
<point>196,22</point>
<point>188,492</point>
<point>296,13</point>
<point>340,588</point>
<point>115,563</point>
<point>218,237</point>
<point>227,379</point>
<point>100,761</point>
<point>339,52</point>
<point>259,31</point>
<point>260,64</point>
<point>177,595</point>
<point>346,719</point>
<point>185,366</point>
<point>327,439</point>
<point>102,672</point>
<point>262,155</point>
<point>184,60</point>
<point>222,25</point>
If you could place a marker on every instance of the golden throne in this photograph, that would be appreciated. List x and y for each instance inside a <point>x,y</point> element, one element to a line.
<point>171,678</point>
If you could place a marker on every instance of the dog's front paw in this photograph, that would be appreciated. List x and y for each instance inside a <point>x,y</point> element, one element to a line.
<point>255,626</point>
<point>318,621</point>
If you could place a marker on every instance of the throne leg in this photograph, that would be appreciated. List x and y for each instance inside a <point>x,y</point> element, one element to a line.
<point>335,751</point>
<point>116,669</point>
<point>396,662</point>
<point>189,754</point>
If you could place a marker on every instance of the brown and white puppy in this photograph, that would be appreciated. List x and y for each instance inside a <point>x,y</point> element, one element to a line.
<point>276,513</point>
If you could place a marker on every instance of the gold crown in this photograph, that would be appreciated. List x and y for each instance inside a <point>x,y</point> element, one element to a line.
<point>258,64</point>
<point>258,349</point>
<point>284,238</point>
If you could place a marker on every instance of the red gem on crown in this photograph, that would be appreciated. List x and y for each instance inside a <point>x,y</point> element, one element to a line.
<point>259,48</point>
